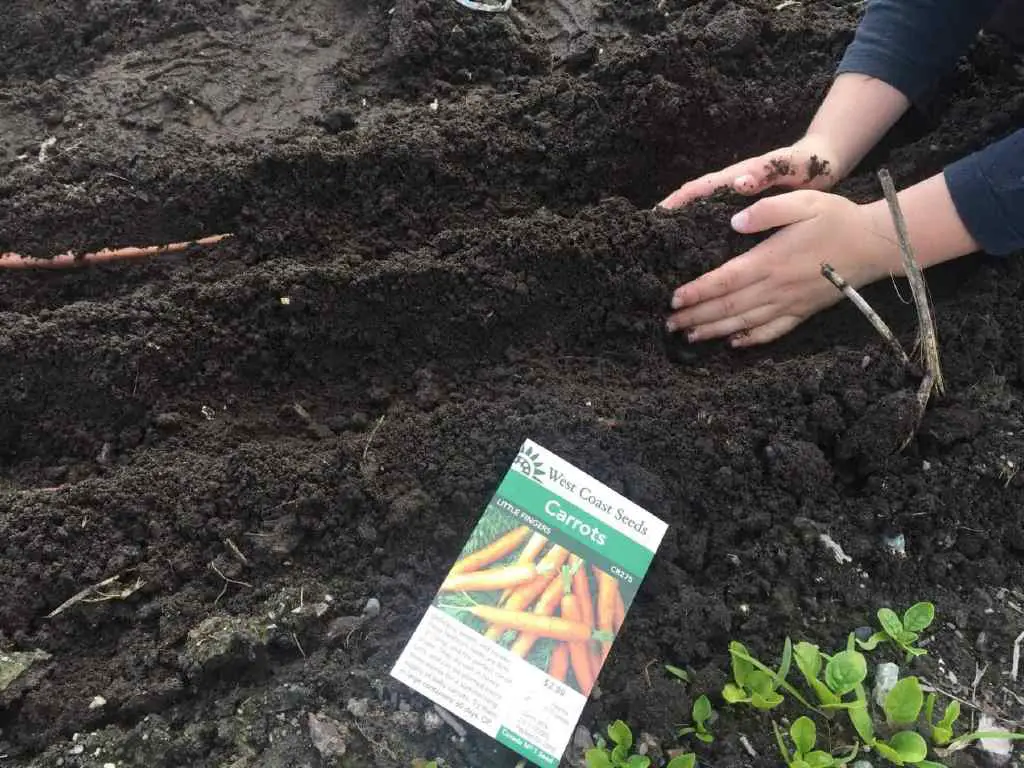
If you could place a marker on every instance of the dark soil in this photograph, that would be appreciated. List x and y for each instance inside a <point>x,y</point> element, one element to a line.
<point>457,278</point>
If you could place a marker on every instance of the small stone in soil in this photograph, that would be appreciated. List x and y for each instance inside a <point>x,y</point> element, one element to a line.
<point>372,608</point>
<point>357,707</point>
<point>327,735</point>
<point>431,721</point>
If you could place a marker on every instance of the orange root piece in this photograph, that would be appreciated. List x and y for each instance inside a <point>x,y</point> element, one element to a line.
<point>68,260</point>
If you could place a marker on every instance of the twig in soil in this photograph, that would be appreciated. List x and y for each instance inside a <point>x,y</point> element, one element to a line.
<point>1015,669</point>
<point>381,746</point>
<point>915,277</point>
<point>366,448</point>
<point>928,685</point>
<point>861,303</point>
<point>66,260</point>
<point>295,639</point>
<point>82,595</point>
<point>449,718</point>
<point>473,5</point>
<point>233,548</point>
<point>748,746</point>
<point>227,581</point>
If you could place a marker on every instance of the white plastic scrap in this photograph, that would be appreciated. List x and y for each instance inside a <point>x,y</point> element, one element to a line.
<point>474,5</point>
<point>837,551</point>
<point>897,545</point>
<point>886,677</point>
<point>998,749</point>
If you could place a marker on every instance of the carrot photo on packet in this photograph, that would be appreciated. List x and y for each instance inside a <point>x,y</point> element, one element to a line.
<point>534,597</point>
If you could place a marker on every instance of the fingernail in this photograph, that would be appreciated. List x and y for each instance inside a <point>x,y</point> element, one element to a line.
<point>746,180</point>
<point>670,326</point>
<point>691,336</point>
<point>740,221</point>
<point>677,302</point>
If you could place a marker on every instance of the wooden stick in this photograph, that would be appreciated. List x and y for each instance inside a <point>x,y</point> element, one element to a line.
<point>918,286</point>
<point>68,259</point>
<point>861,303</point>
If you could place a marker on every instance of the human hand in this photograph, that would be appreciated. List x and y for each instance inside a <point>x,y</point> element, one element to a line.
<point>776,285</point>
<point>811,163</point>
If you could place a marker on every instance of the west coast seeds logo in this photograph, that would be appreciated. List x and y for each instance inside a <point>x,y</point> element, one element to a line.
<point>528,463</point>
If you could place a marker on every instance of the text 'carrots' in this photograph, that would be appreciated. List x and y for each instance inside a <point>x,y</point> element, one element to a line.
<point>495,578</point>
<point>494,551</point>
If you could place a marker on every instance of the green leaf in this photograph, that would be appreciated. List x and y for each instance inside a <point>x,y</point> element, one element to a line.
<point>760,682</point>
<point>598,758</point>
<point>701,710</point>
<point>619,754</point>
<point>860,717</point>
<point>903,703</point>
<point>819,759</point>
<point>941,735</point>
<point>888,752</point>
<point>929,707</point>
<point>951,715</point>
<point>638,761</point>
<point>706,737</point>
<point>824,693</point>
<point>929,764</point>
<point>741,668</point>
<point>689,760</point>
<point>808,660</point>
<point>787,662</point>
<point>872,642</point>
<point>798,763</point>
<point>910,745</point>
<point>682,674</point>
<point>906,637</point>
<point>766,701</point>
<point>845,670</point>
<point>890,622</point>
<point>919,617</point>
<point>916,652</point>
<point>804,734</point>
<point>686,731</point>
<point>620,734</point>
<point>734,694</point>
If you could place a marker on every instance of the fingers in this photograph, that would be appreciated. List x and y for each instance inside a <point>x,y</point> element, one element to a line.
<point>735,324</point>
<point>749,177</point>
<point>762,334</point>
<point>779,211</point>
<point>731,277</point>
<point>732,305</point>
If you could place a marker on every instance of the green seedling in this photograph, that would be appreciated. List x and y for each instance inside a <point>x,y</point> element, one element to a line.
<point>619,755</point>
<point>941,731</point>
<point>904,702</point>
<point>757,684</point>
<point>904,748</point>
<point>902,633</point>
<point>804,735</point>
<point>682,674</point>
<point>689,760</point>
<point>808,660</point>
<point>702,712</point>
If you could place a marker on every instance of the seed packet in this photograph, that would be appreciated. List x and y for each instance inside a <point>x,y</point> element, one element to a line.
<point>519,629</point>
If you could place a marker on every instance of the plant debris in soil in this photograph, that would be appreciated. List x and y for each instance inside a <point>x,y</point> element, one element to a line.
<point>271,450</point>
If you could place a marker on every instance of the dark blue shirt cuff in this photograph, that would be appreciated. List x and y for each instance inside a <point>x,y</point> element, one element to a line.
<point>987,188</point>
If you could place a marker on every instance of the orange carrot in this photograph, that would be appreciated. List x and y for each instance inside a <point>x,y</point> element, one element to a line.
<point>524,595</point>
<point>579,653</point>
<point>607,586</point>
<point>530,553</point>
<point>558,664</point>
<point>496,550</point>
<point>493,578</point>
<point>581,588</point>
<point>545,626</point>
<point>620,612</point>
<point>547,604</point>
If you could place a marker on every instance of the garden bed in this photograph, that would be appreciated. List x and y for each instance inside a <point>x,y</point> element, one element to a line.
<point>442,245</point>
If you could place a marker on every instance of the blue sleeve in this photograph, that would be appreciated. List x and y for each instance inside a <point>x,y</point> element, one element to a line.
<point>988,191</point>
<point>910,44</point>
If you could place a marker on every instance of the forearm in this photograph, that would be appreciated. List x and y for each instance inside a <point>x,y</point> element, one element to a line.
<point>855,115</point>
<point>936,232</point>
